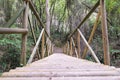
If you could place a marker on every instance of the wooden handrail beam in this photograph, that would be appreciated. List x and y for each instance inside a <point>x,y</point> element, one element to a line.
<point>93,54</point>
<point>13,31</point>
<point>14,18</point>
<point>37,16</point>
<point>86,17</point>
<point>35,48</point>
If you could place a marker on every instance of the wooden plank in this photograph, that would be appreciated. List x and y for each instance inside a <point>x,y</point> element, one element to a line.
<point>35,48</point>
<point>13,31</point>
<point>105,34</point>
<point>93,54</point>
<point>64,78</point>
<point>60,74</point>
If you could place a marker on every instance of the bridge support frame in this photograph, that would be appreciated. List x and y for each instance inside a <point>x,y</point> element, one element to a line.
<point>105,34</point>
<point>24,36</point>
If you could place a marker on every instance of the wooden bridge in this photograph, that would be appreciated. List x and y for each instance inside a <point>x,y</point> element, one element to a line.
<point>60,65</point>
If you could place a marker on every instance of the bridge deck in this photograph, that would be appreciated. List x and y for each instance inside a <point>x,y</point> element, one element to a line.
<point>63,67</point>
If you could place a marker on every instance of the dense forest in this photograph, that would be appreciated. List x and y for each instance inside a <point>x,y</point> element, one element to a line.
<point>60,17</point>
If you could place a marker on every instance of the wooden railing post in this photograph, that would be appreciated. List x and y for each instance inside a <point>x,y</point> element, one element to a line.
<point>24,36</point>
<point>43,42</point>
<point>105,34</point>
<point>67,48</point>
<point>75,48</point>
<point>71,49</point>
<point>64,49</point>
<point>78,45</point>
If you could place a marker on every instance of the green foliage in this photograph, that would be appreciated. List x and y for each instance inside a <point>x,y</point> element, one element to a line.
<point>11,58</point>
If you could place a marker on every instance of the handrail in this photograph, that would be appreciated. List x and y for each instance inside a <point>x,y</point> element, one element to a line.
<point>13,31</point>
<point>75,48</point>
<point>93,53</point>
<point>37,16</point>
<point>85,18</point>
<point>35,48</point>
<point>13,19</point>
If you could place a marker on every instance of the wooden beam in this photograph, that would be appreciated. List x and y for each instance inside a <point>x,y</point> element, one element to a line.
<point>92,34</point>
<point>14,18</point>
<point>24,36</point>
<point>33,34</point>
<point>43,42</point>
<point>108,20</point>
<point>67,47</point>
<point>38,17</point>
<point>71,49</point>
<point>75,48</point>
<point>105,34</point>
<point>85,18</point>
<point>93,53</point>
<point>35,48</point>
<point>78,45</point>
<point>13,31</point>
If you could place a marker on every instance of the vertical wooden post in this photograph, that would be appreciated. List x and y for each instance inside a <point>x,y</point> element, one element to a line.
<point>78,44</point>
<point>92,34</point>
<point>43,42</point>
<point>105,34</point>
<point>67,47</point>
<point>51,48</point>
<point>71,49</point>
<point>24,36</point>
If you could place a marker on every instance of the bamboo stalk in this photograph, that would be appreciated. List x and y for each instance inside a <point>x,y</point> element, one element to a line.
<point>93,53</point>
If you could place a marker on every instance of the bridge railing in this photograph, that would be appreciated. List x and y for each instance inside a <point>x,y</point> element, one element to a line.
<point>44,49</point>
<point>70,46</point>
<point>27,23</point>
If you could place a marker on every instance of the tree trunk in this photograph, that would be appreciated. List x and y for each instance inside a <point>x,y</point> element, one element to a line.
<point>47,17</point>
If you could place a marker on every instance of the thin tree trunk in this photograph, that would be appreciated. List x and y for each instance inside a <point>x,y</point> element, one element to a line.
<point>47,17</point>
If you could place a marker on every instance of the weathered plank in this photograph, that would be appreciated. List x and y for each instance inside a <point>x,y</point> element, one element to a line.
<point>63,67</point>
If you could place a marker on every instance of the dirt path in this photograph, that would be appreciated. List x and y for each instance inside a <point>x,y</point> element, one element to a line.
<point>57,50</point>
